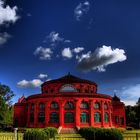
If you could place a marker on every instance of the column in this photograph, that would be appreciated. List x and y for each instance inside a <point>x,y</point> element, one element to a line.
<point>28,115</point>
<point>36,114</point>
<point>47,108</point>
<point>91,117</point>
<point>110,114</point>
<point>102,113</point>
<point>61,113</point>
<point>77,113</point>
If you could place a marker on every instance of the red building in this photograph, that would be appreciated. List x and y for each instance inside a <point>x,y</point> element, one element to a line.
<point>69,102</point>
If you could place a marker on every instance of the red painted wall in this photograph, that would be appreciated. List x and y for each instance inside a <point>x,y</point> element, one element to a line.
<point>86,91</point>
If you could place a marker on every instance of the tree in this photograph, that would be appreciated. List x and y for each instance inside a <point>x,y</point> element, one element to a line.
<point>6,95</point>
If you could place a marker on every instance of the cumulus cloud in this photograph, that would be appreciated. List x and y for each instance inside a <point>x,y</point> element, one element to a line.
<point>54,39</point>
<point>27,84</point>
<point>4,37</point>
<point>81,9</point>
<point>67,53</point>
<point>78,49</point>
<point>43,53</point>
<point>130,94</point>
<point>100,58</point>
<point>42,76</point>
<point>7,14</point>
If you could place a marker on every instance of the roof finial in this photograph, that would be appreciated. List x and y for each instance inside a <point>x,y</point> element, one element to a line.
<point>68,73</point>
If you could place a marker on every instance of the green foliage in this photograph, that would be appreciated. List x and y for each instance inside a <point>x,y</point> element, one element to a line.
<point>35,134</point>
<point>5,105</point>
<point>91,133</point>
<point>39,133</point>
<point>52,131</point>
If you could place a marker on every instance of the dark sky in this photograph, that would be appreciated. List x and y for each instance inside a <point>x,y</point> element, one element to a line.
<point>98,40</point>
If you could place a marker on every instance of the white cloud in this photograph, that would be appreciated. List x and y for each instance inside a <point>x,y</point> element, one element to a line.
<point>78,49</point>
<point>7,14</point>
<point>42,76</point>
<point>4,37</point>
<point>67,53</point>
<point>130,94</point>
<point>43,53</point>
<point>81,9</point>
<point>54,39</point>
<point>29,84</point>
<point>100,58</point>
<point>67,41</point>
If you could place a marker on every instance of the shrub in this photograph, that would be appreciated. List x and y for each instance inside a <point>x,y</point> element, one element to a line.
<point>91,133</point>
<point>52,131</point>
<point>35,134</point>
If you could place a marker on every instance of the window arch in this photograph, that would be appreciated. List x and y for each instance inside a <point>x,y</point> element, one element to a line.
<point>68,88</point>
<point>106,117</point>
<point>54,117</point>
<point>97,117</point>
<point>84,105</point>
<point>32,106</point>
<point>41,106</point>
<point>54,105</point>
<point>69,105</point>
<point>84,117</point>
<point>69,117</point>
<point>97,105</point>
<point>32,117</point>
<point>41,117</point>
<point>105,106</point>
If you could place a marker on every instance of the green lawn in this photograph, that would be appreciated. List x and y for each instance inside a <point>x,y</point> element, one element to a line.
<point>10,136</point>
<point>131,134</point>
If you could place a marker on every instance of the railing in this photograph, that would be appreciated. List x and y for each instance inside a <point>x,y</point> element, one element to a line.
<point>131,136</point>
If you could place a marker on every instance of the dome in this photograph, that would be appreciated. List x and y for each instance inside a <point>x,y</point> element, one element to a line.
<point>69,79</point>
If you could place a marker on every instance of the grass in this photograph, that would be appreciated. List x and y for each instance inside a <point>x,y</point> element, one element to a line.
<point>131,134</point>
<point>10,136</point>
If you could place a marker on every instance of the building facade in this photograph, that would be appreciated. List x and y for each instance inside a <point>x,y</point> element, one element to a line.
<point>69,102</point>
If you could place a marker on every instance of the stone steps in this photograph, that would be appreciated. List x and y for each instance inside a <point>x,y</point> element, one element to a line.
<point>68,131</point>
<point>69,137</point>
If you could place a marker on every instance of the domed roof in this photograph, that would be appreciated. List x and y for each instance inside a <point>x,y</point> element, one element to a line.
<point>70,79</point>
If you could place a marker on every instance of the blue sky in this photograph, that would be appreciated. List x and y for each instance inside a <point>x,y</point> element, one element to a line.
<point>92,39</point>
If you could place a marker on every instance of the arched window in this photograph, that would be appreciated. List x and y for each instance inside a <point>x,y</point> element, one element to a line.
<point>41,106</point>
<point>84,117</point>
<point>122,120</point>
<point>106,117</point>
<point>32,106</point>
<point>54,105</point>
<point>96,105</point>
<point>68,88</point>
<point>32,117</point>
<point>41,117</point>
<point>69,105</point>
<point>97,117</point>
<point>69,117</point>
<point>84,105</point>
<point>105,106</point>
<point>54,117</point>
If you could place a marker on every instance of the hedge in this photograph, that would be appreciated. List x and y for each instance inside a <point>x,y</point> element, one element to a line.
<point>90,133</point>
<point>39,133</point>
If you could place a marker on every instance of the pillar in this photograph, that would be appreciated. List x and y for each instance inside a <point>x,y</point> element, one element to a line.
<point>61,114</point>
<point>28,115</point>
<point>91,117</point>
<point>102,113</point>
<point>36,114</point>
<point>47,114</point>
<point>110,114</point>
<point>77,113</point>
